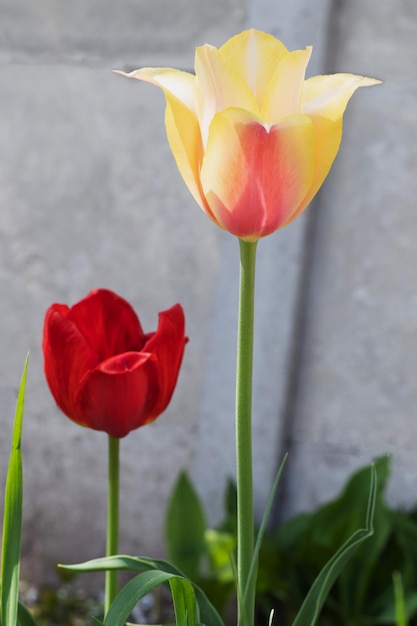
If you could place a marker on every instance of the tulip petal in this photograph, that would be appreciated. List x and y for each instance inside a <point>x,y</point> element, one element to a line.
<point>108,323</point>
<point>167,345</point>
<point>67,357</point>
<point>254,178</point>
<point>328,135</point>
<point>181,122</point>
<point>218,86</point>
<point>254,55</point>
<point>177,83</point>
<point>325,99</point>
<point>327,96</point>
<point>283,94</point>
<point>112,398</point>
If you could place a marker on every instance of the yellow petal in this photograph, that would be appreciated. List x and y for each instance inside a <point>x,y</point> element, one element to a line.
<point>283,94</point>
<point>254,178</point>
<point>327,138</point>
<point>180,121</point>
<point>184,139</point>
<point>324,99</point>
<point>255,56</point>
<point>329,95</point>
<point>179,84</point>
<point>218,86</point>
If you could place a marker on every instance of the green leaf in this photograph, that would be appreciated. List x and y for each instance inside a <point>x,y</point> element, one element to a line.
<point>24,617</point>
<point>185,525</point>
<point>185,605</point>
<point>183,596</point>
<point>208,614</point>
<point>229,524</point>
<point>261,531</point>
<point>310,609</point>
<point>400,611</point>
<point>12,520</point>
<point>130,595</point>
<point>220,546</point>
<point>341,517</point>
<point>356,580</point>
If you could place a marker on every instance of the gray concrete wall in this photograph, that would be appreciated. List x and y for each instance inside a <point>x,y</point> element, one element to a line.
<point>356,384</point>
<point>90,196</point>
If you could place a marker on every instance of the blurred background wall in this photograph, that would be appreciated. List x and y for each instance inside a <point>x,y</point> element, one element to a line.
<point>90,197</point>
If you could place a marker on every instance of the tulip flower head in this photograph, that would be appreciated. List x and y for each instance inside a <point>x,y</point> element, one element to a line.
<point>103,370</point>
<point>252,139</point>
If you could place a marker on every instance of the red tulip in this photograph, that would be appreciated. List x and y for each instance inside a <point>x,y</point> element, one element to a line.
<point>103,370</point>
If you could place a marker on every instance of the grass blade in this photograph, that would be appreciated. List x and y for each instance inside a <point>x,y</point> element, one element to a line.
<point>12,520</point>
<point>262,528</point>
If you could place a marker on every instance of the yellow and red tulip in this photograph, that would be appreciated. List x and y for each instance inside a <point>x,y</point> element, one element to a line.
<point>252,138</point>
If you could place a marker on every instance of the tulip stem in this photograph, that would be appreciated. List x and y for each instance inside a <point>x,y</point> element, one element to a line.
<point>245,515</point>
<point>112,544</point>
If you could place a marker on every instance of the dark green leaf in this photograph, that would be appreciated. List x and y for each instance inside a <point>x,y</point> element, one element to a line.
<point>24,617</point>
<point>229,524</point>
<point>310,609</point>
<point>185,525</point>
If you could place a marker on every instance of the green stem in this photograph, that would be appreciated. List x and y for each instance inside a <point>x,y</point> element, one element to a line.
<point>112,544</point>
<point>245,521</point>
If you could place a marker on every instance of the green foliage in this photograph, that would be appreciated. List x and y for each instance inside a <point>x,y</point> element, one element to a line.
<point>24,617</point>
<point>298,565</point>
<point>12,521</point>
<point>203,554</point>
<point>316,597</point>
<point>185,525</point>
<point>262,528</point>
<point>186,610</point>
<point>400,610</point>
<point>157,572</point>
<point>292,557</point>
<point>313,547</point>
<point>185,605</point>
<point>217,577</point>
